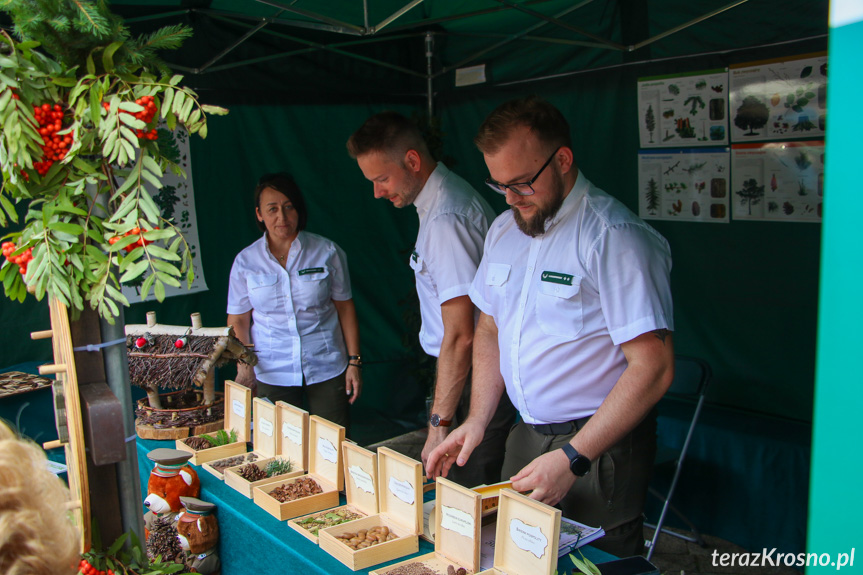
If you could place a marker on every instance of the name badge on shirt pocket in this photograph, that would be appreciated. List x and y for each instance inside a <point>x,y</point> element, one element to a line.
<point>308,271</point>
<point>558,304</point>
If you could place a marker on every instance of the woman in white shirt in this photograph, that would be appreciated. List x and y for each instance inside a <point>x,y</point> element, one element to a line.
<point>290,296</point>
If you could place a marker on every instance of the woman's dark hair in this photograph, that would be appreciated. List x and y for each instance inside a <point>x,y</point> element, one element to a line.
<point>284,183</point>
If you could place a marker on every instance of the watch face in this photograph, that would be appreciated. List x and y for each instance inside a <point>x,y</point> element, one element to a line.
<point>580,465</point>
<point>434,419</point>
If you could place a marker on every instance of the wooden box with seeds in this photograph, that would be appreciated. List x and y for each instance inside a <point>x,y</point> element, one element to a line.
<point>218,466</point>
<point>360,472</point>
<point>526,537</point>
<point>294,434</point>
<point>458,521</point>
<point>267,442</point>
<point>228,441</point>
<point>394,531</point>
<point>315,491</point>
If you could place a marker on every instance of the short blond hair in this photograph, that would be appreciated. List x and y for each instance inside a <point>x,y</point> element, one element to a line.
<point>36,535</point>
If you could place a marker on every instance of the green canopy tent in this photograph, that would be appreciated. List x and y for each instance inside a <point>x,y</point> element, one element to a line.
<point>299,76</point>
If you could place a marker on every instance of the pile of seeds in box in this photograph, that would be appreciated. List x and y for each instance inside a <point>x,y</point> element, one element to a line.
<point>367,537</point>
<point>302,487</point>
<point>412,569</point>
<point>326,519</point>
<point>223,464</point>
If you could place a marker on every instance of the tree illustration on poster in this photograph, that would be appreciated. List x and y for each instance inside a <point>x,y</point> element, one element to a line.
<point>79,102</point>
<point>751,115</point>
<point>650,121</point>
<point>751,193</point>
<point>652,196</point>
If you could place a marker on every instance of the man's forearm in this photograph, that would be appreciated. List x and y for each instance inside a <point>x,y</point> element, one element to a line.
<point>488,385</point>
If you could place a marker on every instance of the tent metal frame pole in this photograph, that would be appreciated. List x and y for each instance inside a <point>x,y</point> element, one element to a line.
<point>366,14</point>
<point>511,38</point>
<point>236,44</point>
<point>483,12</point>
<point>555,20</point>
<point>236,17</point>
<point>692,22</point>
<point>347,27</point>
<point>395,15</point>
<point>544,39</point>
<point>429,41</point>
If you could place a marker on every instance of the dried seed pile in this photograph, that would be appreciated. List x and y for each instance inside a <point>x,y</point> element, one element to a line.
<point>223,464</point>
<point>251,472</point>
<point>198,443</point>
<point>327,519</point>
<point>418,568</point>
<point>367,537</point>
<point>175,369</point>
<point>303,487</point>
<point>452,570</point>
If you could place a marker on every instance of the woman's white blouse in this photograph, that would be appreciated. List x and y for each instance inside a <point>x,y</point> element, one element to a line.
<point>295,326</point>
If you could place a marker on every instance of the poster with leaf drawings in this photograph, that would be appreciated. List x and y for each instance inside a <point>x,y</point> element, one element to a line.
<point>684,185</point>
<point>175,201</point>
<point>778,181</point>
<point>779,100</point>
<point>683,110</point>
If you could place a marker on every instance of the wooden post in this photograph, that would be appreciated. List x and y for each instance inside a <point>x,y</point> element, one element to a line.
<point>196,321</point>
<point>151,318</point>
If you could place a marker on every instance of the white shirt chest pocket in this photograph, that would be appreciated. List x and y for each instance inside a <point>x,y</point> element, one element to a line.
<point>314,285</point>
<point>263,291</point>
<point>558,307</point>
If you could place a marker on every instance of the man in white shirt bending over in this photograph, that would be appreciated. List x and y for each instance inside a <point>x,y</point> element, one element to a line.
<point>453,220</point>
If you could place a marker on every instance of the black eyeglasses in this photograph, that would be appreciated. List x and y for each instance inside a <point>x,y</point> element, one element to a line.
<point>520,188</point>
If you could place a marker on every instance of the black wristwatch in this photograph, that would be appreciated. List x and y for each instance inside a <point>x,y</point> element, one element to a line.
<point>579,464</point>
<point>436,421</point>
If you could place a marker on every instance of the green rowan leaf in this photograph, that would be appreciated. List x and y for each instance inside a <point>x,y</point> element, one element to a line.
<point>134,271</point>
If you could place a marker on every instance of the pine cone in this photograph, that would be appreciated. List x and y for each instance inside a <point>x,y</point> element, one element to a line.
<point>251,472</point>
<point>163,540</point>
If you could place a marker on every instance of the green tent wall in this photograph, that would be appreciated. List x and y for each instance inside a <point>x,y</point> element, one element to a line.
<point>745,293</point>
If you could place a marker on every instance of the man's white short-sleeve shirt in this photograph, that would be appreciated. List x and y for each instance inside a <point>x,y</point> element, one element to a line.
<point>454,219</point>
<point>564,301</point>
<point>295,326</point>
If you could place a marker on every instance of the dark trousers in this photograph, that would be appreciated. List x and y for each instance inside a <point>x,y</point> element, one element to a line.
<point>326,399</point>
<point>485,463</point>
<point>612,495</point>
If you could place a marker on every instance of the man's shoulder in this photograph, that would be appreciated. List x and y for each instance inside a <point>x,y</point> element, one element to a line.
<point>604,212</point>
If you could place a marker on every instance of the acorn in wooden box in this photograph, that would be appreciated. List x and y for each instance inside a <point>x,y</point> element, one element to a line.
<point>183,359</point>
<point>198,533</point>
<point>271,464</point>
<point>394,531</point>
<point>319,489</point>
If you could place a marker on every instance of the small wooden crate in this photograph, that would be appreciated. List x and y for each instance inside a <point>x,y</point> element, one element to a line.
<point>294,431</point>
<point>220,475</point>
<point>527,536</point>
<point>325,467</point>
<point>238,417</point>
<point>458,522</point>
<point>266,444</point>
<point>361,476</point>
<point>400,498</point>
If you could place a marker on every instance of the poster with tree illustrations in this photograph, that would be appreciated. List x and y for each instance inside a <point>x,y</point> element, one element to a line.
<point>683,110</point>
<point>778,181</point>
<point>684,185</point>
<point>175,200</point>
<point>778,100</point>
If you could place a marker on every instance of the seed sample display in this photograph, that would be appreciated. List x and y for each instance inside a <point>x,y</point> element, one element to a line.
<point>327,519</point>
<point>303,487</point>
<point>417,568</point>
<point>223,464</point>
<point>367,537</point>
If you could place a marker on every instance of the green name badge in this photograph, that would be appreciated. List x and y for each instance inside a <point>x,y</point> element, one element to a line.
<point>414,256</point>
<point>557,278</point>
<point>310,271</point>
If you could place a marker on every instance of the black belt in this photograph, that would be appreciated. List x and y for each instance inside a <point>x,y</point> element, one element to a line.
<point>563,428</point>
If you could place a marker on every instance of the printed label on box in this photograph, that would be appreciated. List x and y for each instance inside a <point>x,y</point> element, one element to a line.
<point>239,408</point>
<point>292,432</point>
<point>265,426</point>
<point>328,450</point>
<point>403,490</point>
<point>528,537</point>
<point>457,520</point>
<point>362,479</point>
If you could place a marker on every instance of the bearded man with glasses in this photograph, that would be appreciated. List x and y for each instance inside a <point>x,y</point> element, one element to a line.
<point>575,325</point>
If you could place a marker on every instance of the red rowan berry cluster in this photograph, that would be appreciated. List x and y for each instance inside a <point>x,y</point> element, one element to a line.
<point>21,259</point>
<point>133,232</point>
<point>50,121</point>
<point>85,568</point>
<point>146,115</point>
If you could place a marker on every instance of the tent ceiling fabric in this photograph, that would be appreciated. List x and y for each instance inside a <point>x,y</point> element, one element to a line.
<point>340,50</point>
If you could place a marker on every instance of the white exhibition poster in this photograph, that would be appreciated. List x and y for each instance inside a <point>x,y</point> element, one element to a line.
<point>176,200</point>
<point>683,110</point>
<point>684,185</point>
<point>778,181</point>
<point>779,100</point>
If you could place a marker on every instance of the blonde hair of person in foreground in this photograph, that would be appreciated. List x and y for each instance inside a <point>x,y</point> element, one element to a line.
<point>36,535</point>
